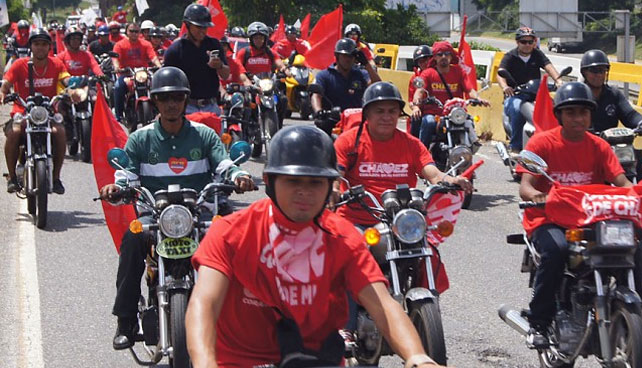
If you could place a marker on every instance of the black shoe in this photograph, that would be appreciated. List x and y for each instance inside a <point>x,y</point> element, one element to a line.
<point>536,339</point>
<point>13,185</point>
<point>124,338</point>
<point>58,188</point>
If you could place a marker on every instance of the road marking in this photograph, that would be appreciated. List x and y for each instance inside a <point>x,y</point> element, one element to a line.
<point>30,339</point>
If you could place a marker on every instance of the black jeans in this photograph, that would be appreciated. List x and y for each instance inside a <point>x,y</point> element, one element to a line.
<point>550,242</point>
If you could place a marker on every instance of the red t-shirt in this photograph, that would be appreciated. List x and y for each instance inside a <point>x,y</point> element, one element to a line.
<point>260,252</point>
<point>236,69</point>
<point>167,43</point>
<point>284,48</point>
<point>590,161</point>
<point>411,85</point>
<point>134,55</point>
<point>436,88</point>
<point>116,38</point>
<point>379,166</point>
<point>120,16</point>
<point>45,80</point>
<point>258,62</point>
<point>366,50</point>
<point>80,63</point>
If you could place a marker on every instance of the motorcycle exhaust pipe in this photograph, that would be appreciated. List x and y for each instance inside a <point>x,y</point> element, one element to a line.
<point>514,319</point>
<point>503,152</point>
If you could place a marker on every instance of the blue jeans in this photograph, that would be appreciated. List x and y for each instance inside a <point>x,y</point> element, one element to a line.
<point>214,108</point>
<point>511,109</point>
<point>120,90</point>
<point>428,129</point>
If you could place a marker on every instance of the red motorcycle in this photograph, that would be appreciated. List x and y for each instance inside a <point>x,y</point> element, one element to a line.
<point>139,109</point>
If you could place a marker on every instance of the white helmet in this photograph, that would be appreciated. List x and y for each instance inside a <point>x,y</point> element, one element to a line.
<point>170,27</point>
<point>352,28</point>
<point>147,24</point>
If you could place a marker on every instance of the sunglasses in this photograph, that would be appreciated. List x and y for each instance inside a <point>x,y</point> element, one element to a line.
<point>597,69</point>
<point>440,54</point>
<point>526,42</point>
<point>134,31</point>
<point>164,97</point>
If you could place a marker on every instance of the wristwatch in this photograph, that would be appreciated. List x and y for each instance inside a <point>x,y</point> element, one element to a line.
<point>417,360</point>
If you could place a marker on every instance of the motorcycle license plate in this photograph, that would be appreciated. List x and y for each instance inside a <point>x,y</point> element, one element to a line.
<point>177,248</point>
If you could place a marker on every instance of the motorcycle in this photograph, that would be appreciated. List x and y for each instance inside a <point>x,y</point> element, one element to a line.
<point>107,67</point>
<point>177,227</point>
<point>139,109</point>
<point>35,164</point>
<point>528,93</point>
<point>13,53</point>
<point>296,88</point>
<point>80,96</point>
<point>598,308</point>
<point>266,100</point>
<point>236,124</point>
<point>412,223</point>
<point>621,141</point>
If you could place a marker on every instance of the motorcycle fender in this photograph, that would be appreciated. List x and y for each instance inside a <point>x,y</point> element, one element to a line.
<point>140,100</point>
<point>627,296</point>
<point>179,284</point>
<point>267,101</point>
<point>416,294</point>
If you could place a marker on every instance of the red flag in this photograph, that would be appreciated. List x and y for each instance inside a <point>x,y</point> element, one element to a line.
<point>60,44</point>
<point>543,116</point>
<point>279,34</point>
<point>466,60</point>
<point>322,39</point>
<point>218,18</point>
<point>107,134</point>
<point>305,27</point>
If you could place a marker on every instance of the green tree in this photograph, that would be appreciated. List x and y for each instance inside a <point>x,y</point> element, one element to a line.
<point>16,10</point>
<point>494,5</point>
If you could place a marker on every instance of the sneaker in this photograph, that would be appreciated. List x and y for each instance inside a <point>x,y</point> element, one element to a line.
<point>58,188</point>
<point>13,185</point>
<point>124,338</point>
<point>348,339</point>
<point>536,339</point>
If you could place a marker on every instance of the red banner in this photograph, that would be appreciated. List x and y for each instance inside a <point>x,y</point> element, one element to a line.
<point>279,33</point>
<point>107,134</point>
<point>466,60</point>
<point>218,18</point>
<point>305,27</point>
<point>60,44</point>
<point>322,39</point>
<point>543,116</point>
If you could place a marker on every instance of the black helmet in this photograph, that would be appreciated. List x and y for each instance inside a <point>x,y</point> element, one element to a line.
<point>421,52</point>
<point>237,32</point>
<point>291,30</point>
<point>382,91</point>
<point>169,79</point>
<point>198,15</point>
<point>39,34</point>
<point>594,58</point>
<point>572,94</point>
<point>302,150</point>
<point>352,28</point>
<point>156,32</point>
<point>257,28</point>
<point>345,46</point>
<point>71,31</point>
<point>23,24</point>
<point>524,32</point>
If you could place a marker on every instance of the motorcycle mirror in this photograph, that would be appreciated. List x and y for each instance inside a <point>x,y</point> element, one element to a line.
<point>506,75</point>
<point>532,162</point>
<point>485,83</point>
<point>117,158</point>
<point>418,82</point>
<point>566,71</point>
<point>316,88</point>
<point>240,152</point>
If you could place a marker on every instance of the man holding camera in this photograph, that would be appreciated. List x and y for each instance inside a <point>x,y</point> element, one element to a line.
<point>201,58</point>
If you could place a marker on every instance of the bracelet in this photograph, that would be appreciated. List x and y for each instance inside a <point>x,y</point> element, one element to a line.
<point>417,360</point>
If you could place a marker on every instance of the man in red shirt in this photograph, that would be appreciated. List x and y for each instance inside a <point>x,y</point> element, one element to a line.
<point>287,260</point>
<point>284,47</point>
<point>120,16</point>
<point>114,32</point>
<point>353,31</point>
<point>257,57</point>
<point>77,61</point>
<point>574,157</point>
<point>48,72</point>
<point>133,52</point>
<point>156,39</point>
<point>237,71</point>
<point>421,56</point>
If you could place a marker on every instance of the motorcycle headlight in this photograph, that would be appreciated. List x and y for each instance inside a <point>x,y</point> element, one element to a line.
<point>624,153</point>
<point>176,221</point>
<point>266,85</point>
<point>38,115</point>
<point>409,226</point>
<point>237,98</point>
<point>459,152</point>
<point>79,95</point>
<point>141,76</point>
<point>458,116</point>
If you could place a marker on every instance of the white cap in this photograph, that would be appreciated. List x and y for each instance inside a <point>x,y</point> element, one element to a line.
<point>147,24</point>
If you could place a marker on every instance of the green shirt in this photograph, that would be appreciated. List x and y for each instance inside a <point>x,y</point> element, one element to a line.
<point>188,158</point>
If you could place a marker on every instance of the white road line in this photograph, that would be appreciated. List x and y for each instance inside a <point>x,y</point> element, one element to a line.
<point>30,339</point>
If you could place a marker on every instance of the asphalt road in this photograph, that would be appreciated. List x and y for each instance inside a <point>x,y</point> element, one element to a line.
<point>59,283</point>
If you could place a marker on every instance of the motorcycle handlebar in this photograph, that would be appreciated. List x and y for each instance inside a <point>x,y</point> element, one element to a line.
<point>530,204</point>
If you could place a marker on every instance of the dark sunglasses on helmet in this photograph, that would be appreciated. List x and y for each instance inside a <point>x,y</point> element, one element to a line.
<point>598,69</point>
<point>526,42</point>
<point>177,96</point>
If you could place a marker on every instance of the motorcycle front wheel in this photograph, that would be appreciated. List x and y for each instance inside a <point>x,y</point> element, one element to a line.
<point>177,308</point>
<point>85,148</point>
<point>42,191</point>
<point>270,127</point>
<point>426,318</point>
<point>626,335</point>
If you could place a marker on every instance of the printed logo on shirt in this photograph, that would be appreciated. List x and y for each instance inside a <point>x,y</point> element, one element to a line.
<point>195,154</point>
<point>74,65</point>
<point>177,165</point>
<point>610,110</point>
<point>573,177</point>
<point>152,158</point>
<point>134,53</point>
<point>258,61</point>
<point>382,170</point>
<point>605,206</point>
<point>250,299</point>
<point>439,86</point>
<point>40,82</point>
